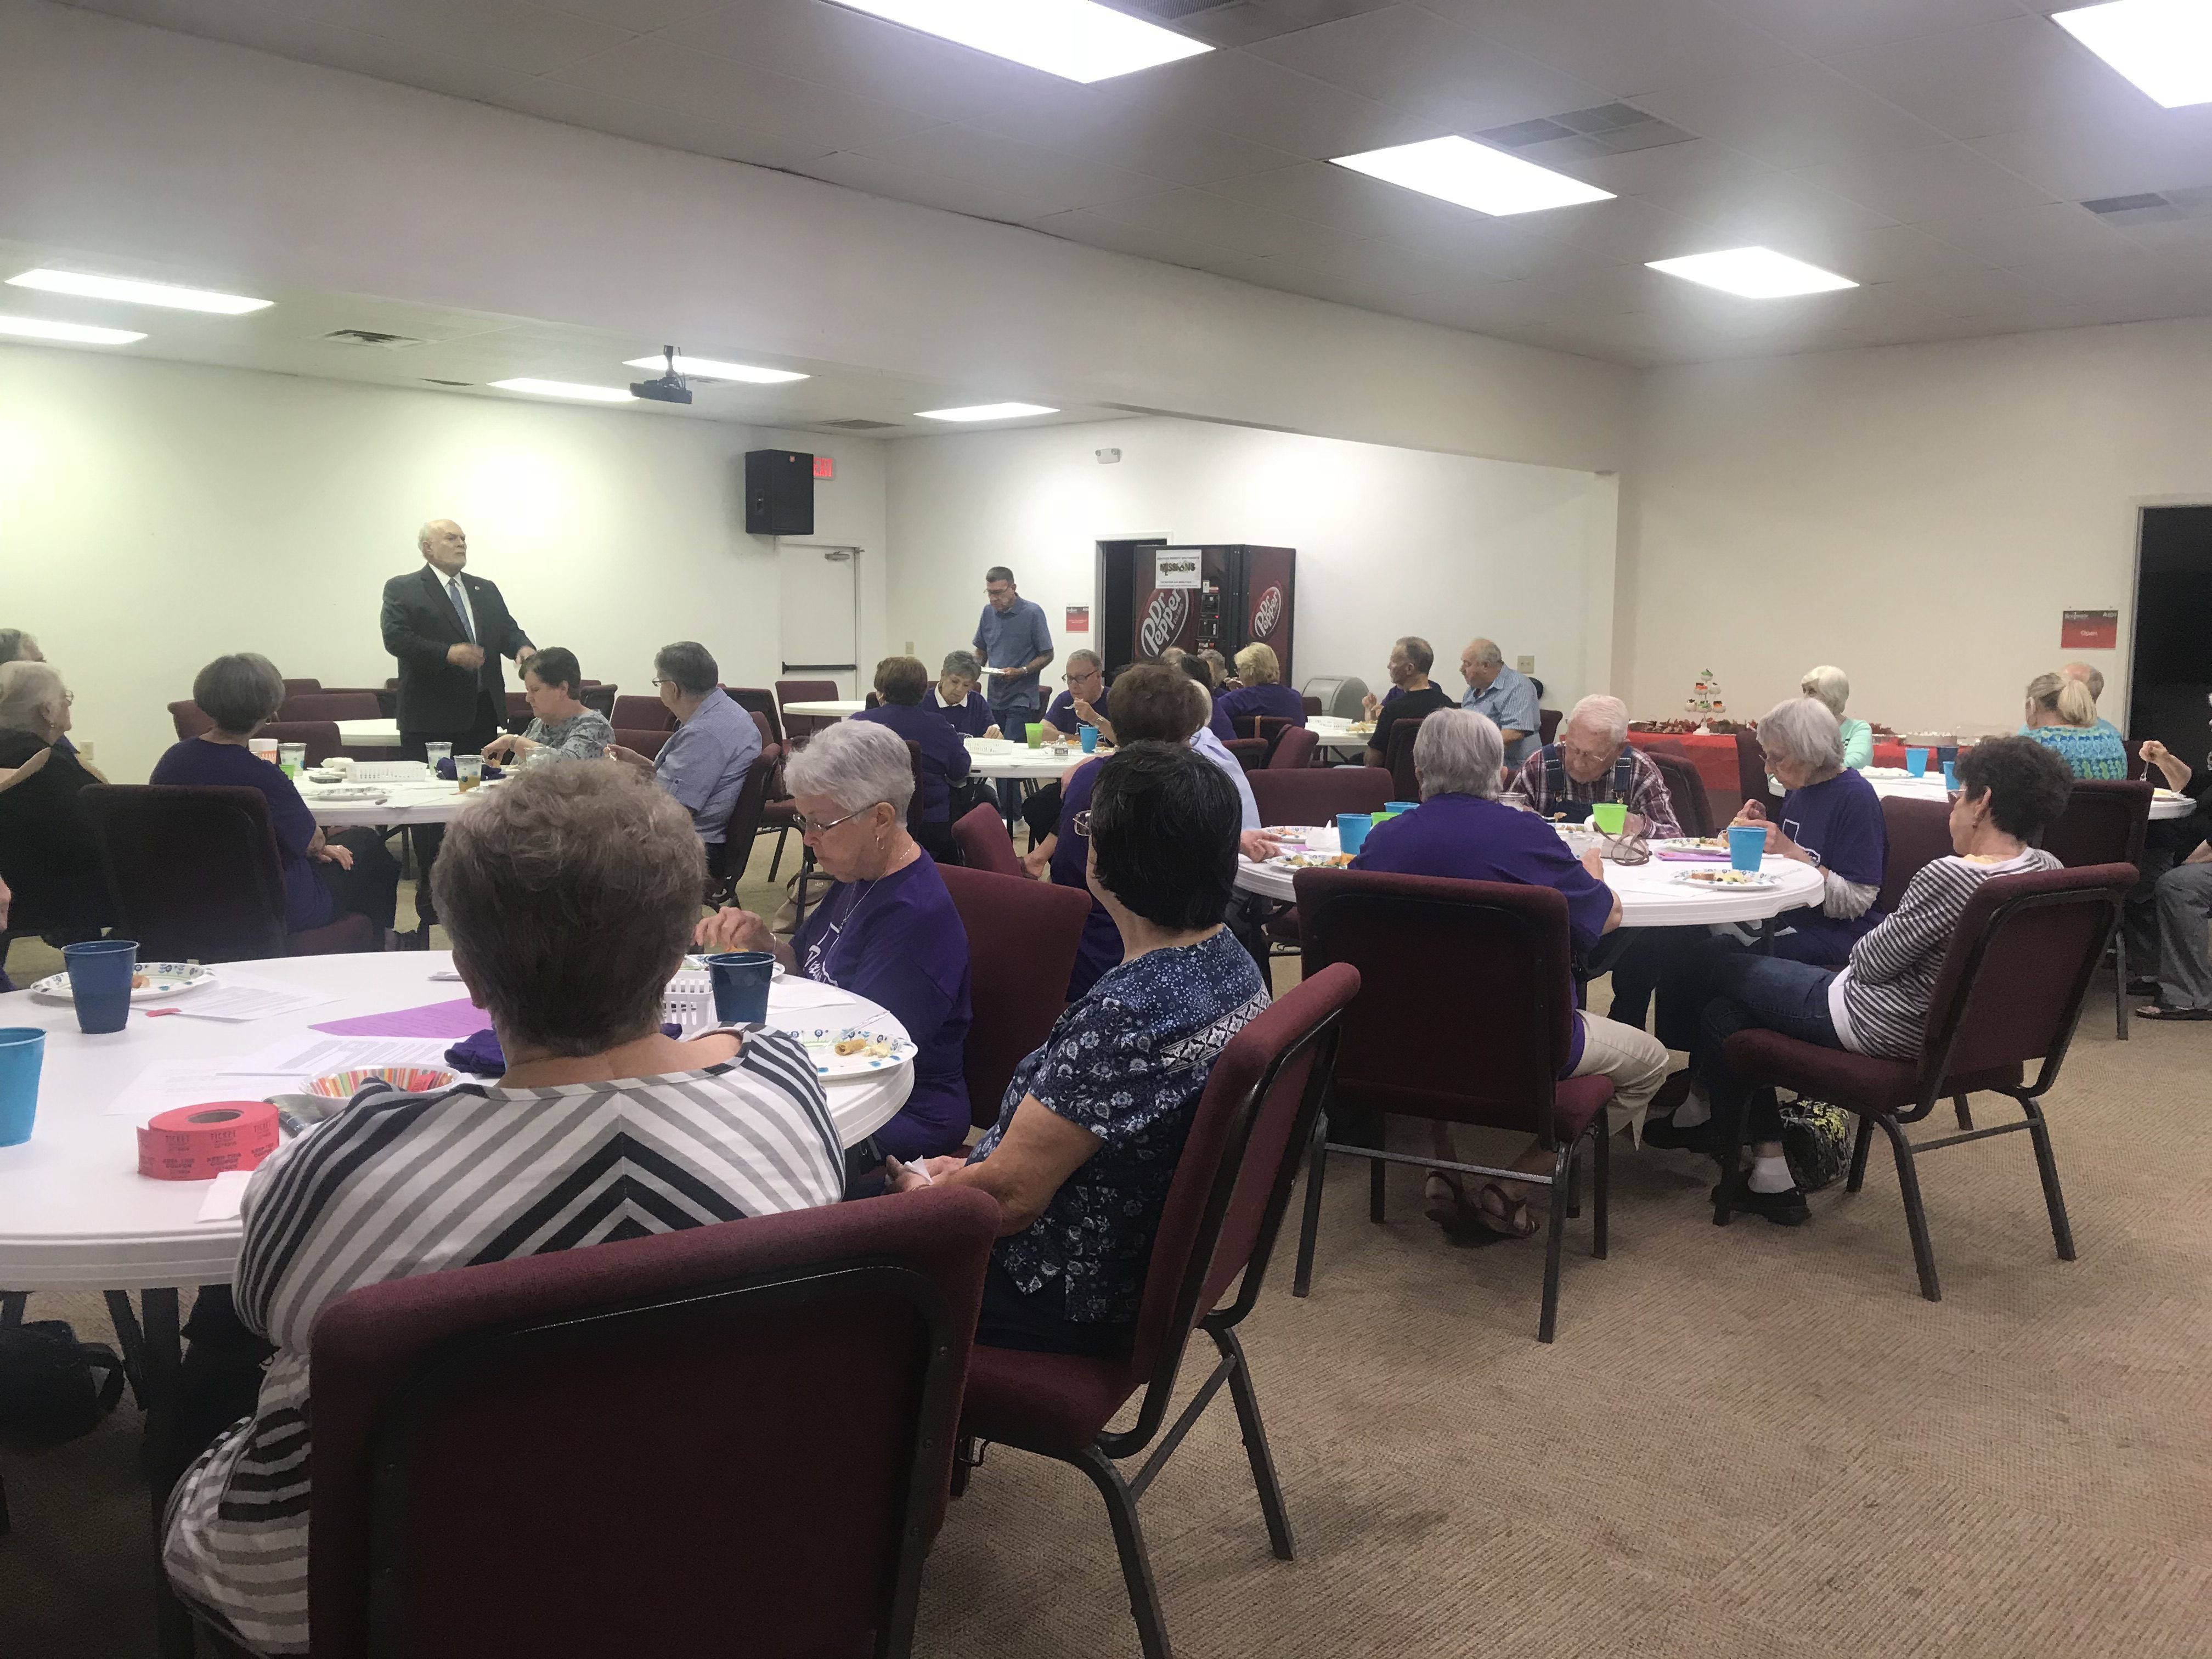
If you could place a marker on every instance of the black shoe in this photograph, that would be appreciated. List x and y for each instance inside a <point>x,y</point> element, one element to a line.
<point>2142,988</point>
<point>1786,1208</point>
<point>1664,1132</point>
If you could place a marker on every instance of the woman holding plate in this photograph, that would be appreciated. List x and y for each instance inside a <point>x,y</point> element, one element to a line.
<point>887,929</point>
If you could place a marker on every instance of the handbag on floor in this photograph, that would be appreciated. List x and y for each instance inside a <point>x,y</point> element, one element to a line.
<point>53,1387</point>
<point>1816,1140</point>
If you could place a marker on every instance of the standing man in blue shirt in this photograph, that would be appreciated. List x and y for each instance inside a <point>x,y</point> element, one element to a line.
<point>1504,694</point>
<point>1015,644</point>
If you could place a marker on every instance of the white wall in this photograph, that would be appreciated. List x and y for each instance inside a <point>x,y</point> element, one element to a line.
<point>1390,541</point>
<point>155,515</point>
<point>1918,514</point>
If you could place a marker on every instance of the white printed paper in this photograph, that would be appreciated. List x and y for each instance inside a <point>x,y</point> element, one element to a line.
<point>237,998</point>
<point>311,1053</point>
<point>192,1083</point>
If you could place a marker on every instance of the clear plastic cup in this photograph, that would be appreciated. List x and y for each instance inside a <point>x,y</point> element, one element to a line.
<point>468,771</point>
<point>292,757</point>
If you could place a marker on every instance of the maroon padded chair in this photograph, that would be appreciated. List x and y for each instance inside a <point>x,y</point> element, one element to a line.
<point>1399,761</point>
<point>1312,704</point>
<point>1751,769</point>
<point>1315,795</point>
<point>321,738</point>
<point>648,744</point>
<point>330,705</point>
<point>984,842</point>
<point>1292,750</point>
<point>1231,1186</point>
<point>293,687</point>
<point>196,877</point>
<point>726,859</point>
<point>760,701</point>
<point>1919,834</point>
<point>2105,822</point>
<point>1419,942</point>
<point>803,726</point>
<point>2010,991</point>
<point>642,715</point>
<point>1268,729</point>
<point>190,720</point>
<point>1251,752</point>
<point>600,699</point>
<point>1548,725</point>
<point>1694,808</point>
<point>1021,940</point>
<point>728,1438</point>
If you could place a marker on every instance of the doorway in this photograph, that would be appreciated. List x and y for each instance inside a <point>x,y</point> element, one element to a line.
<point>2171,682</point>
<point>820,628</point>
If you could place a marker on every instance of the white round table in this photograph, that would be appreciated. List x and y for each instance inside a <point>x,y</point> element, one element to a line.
<point>2164,803</point>
<point>837,708</point>
<point>998,757</point>
<point>1333,732</point>
<point>433,800</point>
<point>1650,895</point>
<point>369,735</point>
<point>74,1211</point>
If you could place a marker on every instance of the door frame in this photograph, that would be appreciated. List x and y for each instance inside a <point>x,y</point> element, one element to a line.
<point>856,554</point>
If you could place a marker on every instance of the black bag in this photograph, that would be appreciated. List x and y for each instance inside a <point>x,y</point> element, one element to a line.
<point>53,1387</point>
<point>1817,1140</point>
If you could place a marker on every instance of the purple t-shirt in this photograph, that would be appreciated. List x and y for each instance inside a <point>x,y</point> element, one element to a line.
<point>899,941</point>
<point>971,718</point>
<point>944,754</point>
<point>195,760</point>
<point>1276,702</point>
<point>1063,719</point>
<point>1217,722</point>
<point>1469,839</point>
<point>1839,822</point>
<point>1100,948</point>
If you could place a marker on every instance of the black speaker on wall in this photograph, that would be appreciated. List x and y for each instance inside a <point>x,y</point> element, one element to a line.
<point>779,493</point>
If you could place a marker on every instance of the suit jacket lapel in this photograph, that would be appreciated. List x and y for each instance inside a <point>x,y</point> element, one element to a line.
<point>444,601</point>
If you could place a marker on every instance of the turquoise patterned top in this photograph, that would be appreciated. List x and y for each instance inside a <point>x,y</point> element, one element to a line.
<point>2088,752</point>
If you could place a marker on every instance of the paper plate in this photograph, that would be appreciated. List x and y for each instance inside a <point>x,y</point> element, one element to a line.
<point>367,793</point>
<point>163,979</point>
<point>821,1043</point>
<point>1728,881</point>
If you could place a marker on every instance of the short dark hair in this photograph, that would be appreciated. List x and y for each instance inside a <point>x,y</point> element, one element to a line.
<point>1164,829</point>
<point>2027,783</point>
<point>1152,703</point>
<point>999,572</point>
<point>1198,668</point>
<point>690,664</point>
<point>902,680</point>
<point>240,691</point>
<point>570,893</point>
<point>556,665</point>
<point>1418,652</point>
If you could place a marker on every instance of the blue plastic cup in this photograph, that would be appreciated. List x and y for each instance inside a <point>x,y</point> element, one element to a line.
<point>22,1048</point>
<point>99,972</point>
<point>1400,806</point>
<point>1746,845</point>
<point>1352,830</point>
<point>1088,736</point>
<point>741,982</point>
<point>1950,774</point>
<point>1916,762</point>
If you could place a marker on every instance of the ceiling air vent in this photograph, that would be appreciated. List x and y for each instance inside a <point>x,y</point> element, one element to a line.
<point>2152,207</point>
<point>369,336</point>
<point>858,425</point>
<point>1607,129</point>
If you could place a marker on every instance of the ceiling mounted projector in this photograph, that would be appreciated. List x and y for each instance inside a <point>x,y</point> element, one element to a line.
<point>670,388</point>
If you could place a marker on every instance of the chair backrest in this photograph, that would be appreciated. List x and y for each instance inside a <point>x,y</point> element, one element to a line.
<point>1312,704</point>
<point>190,720</point>
<point>983,840</point>
<point>518,707</point>
<point>1547,725</point>
<point>1919,834</point>
<point>1316,794</point>
<point>1021,940</point>
<point>760,700</point>
<point>644,1445</point>
<point>1269,728</point>
<point>1251,752</point>
<point>330,705</point>
<point>321,737</point>
<point>1694,808</point>
<point>2018,966</point>
<point>745,811</point>
<point>765,727</point>
<point>1399,758</point>
<point>293,687</point>
<point>642,715</point>
<point>791,691</point>
<point>193,870</point>
<point>600,699</point>
<point>1233,1180</point>
<point>1293,749</point>
<point>914,812</point>
<point>1751,768</point>
<point>2105,822</point>
<point>1416,1041</point>
<point>648,744</point>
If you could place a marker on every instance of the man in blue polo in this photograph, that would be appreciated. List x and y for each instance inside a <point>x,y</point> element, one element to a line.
<point>1503,694</point>
<point>1015,644</point>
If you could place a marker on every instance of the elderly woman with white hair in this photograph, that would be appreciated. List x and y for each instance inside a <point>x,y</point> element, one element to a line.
<point>47,854</point>
<point>1833,687</point>
<point>1463,830</point>
<point>886,930</point>
<point>1594,761</point>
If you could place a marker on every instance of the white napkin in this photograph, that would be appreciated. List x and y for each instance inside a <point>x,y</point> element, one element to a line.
<point>794,992</point>
<point>224,1195</point>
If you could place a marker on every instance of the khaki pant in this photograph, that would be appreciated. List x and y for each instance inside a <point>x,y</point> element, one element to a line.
<point>1635,1060</point>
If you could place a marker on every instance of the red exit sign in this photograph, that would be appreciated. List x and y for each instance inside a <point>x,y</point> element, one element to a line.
<point>825,467</point>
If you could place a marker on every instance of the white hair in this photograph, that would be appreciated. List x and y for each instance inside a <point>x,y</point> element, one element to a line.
<point>1487,653</point>
<point>856,763</point>
<point>423,536</point>
<point>1604,713</point>
<point>29,693</point>
<point>1806,730</point>
<point>1459,752</point>
<point>1830,685</point>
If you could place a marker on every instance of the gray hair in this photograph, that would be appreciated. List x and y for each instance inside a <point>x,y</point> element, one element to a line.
<point>1418,652</point>
<point>962,663</point>
<point>856,763</point>
<point>1487,653</point>
<point>1830,685</point>
<point>999,572</point>
<point>1806,730</point>
<point>1459,752</point>
<point>1607,714</point>
<point>28,690</point>
<point>16,646</point>
<point>690,664</point>
<point>239,692</point>
<point>1090,657</point>
<point>423,536</point>
<point>2088,673</point>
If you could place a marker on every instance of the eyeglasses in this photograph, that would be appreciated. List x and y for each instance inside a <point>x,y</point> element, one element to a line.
<point>1082,824</point>
<point>806,826</point>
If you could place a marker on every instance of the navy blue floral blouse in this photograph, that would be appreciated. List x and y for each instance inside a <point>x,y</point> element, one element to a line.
<point>1129,1063</point>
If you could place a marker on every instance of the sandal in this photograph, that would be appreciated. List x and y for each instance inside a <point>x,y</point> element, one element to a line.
<point>2162,1010</point>
<point>1503,1213</point>
<point>1445,1197</point>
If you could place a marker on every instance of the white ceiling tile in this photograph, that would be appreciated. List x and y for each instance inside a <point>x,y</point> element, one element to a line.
<point>1622,49</point>
<point>2021,236</point>
<point>1094,230</point>
<point>1825,25</point>
<point>1995,78</point>
<point>1066,181</point>
<point>657,123</point>
<point>1205,217</point>
<point>1741,202</point>
<point>639,16</point>
<point>902,180</point>
<point>1794,115</point>
<point>1629,231</point>
<point>1925,182</point>
<point>1975,291</point>
<point>2117,156</point>
<point>1264,103</point>
<point>1365,207</point>
<point>1484,307</point>
<point>1183,153</point>
<point>1409,58</point>
<point>515,35</point>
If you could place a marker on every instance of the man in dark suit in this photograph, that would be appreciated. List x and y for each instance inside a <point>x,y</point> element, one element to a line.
<point>448,630</point>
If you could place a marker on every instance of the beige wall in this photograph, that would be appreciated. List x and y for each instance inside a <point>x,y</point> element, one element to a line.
<point>1918,514</point>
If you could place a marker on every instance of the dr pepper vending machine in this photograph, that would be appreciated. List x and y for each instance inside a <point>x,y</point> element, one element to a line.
<point>1224,598</point>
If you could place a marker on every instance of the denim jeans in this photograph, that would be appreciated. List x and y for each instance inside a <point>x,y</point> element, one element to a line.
<point>1757,993</point>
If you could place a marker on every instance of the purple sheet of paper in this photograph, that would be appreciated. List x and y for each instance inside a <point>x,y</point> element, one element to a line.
<point>458,1018</point>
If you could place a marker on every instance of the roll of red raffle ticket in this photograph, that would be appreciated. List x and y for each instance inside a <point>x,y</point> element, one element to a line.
<point>198,1143</point>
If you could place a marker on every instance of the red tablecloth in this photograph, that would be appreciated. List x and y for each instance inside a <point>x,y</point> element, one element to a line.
<point>1713,756</point>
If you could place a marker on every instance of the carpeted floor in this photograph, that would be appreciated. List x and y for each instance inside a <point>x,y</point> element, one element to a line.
<point>1752,1442</point>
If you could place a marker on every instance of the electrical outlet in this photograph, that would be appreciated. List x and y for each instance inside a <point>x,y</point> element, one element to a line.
<point>1526,665</point>
<point>909,647</point>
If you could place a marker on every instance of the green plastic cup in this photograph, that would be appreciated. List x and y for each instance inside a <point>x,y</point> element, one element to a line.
<point>1610,816</point>
<point>1036,734</point>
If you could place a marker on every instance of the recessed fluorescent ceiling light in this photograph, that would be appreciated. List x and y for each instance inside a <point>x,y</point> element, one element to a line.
<point>984,412</point>
<point>1473,175</point>
<point>38,328</point>
<point>2164,46</point>
<point>715,371</point>
<point>138,294</point>
<point>1075,39</point>
<point>590,394</point>
<point>1756,273</point>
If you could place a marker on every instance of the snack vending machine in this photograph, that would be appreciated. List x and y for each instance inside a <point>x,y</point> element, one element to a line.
<point>1221,598</point>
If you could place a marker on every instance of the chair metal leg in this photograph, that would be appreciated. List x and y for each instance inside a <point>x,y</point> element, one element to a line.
<point>1574,1188</point>
<point>776,862</point>
<point>1916,1212</point>
<point>1280,1538</point>
<point>132,1343</point>
<point>2039,1131</point>
<point>1129,1544</point>
<point>1554,1238</point>
<point>2120,980</point>
<point>1966,1112</point>
<point>1317,1169</point>
<point>1601,1180</point>
<point>11,1307</point>
<point>965,1456</point>
<point>1857,1176</point>
<point>1377,1171</point>
<point>1731,1147</point>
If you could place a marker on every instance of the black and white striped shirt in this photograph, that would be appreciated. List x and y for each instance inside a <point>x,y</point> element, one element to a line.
<point>1879,1003</point>
<point>401,1184</point>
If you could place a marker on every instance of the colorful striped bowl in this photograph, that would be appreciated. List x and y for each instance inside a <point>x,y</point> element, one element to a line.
<point>411,1079</point>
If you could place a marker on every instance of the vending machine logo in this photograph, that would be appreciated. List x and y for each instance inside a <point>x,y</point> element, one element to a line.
<point>1164,615</point>
<point>1267,615</point>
